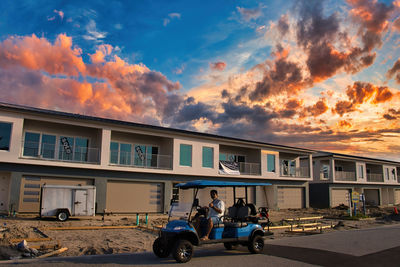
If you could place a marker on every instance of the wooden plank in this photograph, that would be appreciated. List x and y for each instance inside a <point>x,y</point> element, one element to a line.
<point>290,226</point>
<point>17,240</point>
<point>56,252</point>
<point>304,219</point>
<point>310,229</point>
<point>278,227</point>
<point>91,227</point>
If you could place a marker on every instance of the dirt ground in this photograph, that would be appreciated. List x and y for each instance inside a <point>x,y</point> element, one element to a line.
<point>91,242</point>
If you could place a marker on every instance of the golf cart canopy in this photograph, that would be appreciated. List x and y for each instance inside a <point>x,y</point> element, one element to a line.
<point>207,183</point>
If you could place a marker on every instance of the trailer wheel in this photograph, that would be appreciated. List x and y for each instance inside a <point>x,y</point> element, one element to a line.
<point>183,251</point>
<point>256,244</point>
<point>62,215</point>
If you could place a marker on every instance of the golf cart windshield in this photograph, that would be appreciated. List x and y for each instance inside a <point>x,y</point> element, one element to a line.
<point>180,210</point>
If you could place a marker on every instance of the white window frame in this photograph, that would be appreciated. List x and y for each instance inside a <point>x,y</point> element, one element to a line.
<point>57,145</point>
<point>132,152</point>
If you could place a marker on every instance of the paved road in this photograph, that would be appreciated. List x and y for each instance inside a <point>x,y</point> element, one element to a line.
<point>367,247</point>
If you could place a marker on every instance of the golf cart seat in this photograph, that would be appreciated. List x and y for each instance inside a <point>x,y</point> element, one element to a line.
<point>238,216</point>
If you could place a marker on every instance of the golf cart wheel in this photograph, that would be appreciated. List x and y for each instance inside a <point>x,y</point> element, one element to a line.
<point>256,244</point>
<point>160,249</point>
<point>183,251</point>
<point>62,215</point>
<point>230,245</point>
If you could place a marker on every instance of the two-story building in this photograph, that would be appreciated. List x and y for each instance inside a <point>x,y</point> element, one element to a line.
<point>337,175</point>
<point>134,166</point>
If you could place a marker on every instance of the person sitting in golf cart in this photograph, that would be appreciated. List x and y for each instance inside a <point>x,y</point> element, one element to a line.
<point>216,210</point>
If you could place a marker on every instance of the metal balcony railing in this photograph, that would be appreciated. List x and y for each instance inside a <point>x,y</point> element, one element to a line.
<point>145,160</point>
<point>247,168</point>
<point>345,176</point>
<point>241,168</point>
<point>374,177</point>
<point>299,172</point>
<point>60,153</point>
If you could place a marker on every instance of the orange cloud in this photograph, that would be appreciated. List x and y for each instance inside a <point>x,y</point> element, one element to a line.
<point>318,108</point>
<point>372,14</point>
<point>360,93</point>
<point>101,52</point>
<point>344,124</point>
<point>123,90</point>
<point>39,54</point>
<point>218,66</point>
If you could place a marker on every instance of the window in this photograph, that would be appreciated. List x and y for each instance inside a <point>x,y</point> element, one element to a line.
<point>66,148</point>
<point>114,152</point>
<point>361,171</point>
<point>288,167</point>
<point>232,157</point>
<point>152,156</point>
<point>143,155</point>
<point>185,157</point>
<point>5,135</point>
<point>125,151</point>
<point>271,163</point>
<point>325,171</point>
<point>48,146</point>
<point>338,168</point>
<point>31,144</point>
<point>208,157</point>
<point>393,173</point>
<point>387,173</point>
<point>81,149</point>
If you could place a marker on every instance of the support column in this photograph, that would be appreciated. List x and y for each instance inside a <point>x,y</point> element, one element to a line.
<point>101,194</point>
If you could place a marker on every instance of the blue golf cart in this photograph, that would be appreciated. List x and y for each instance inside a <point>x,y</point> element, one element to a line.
<point>242,224</point>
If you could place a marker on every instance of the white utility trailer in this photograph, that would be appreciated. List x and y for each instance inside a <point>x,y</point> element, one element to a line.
<point>64,201</point>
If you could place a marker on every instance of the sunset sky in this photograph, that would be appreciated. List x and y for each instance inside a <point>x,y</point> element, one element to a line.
<point>315,74</point>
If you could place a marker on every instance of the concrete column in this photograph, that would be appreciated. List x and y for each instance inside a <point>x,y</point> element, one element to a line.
<point>101,194</point>
<point>167,195</point>
<point>15,191</point>
<point>332,171</point>
<point>311,166</point>
<point>105,147</point>
<point>307,195</point>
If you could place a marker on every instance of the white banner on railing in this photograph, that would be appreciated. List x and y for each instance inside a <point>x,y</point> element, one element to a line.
<point>228,167</point>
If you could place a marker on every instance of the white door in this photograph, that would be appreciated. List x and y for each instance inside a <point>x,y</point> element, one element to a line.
<point>80,202</point>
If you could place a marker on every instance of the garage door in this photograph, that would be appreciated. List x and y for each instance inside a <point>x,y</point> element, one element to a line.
<point>130,197</point>
<point>29,199</point>
<point>397,196</point>
<point>290,197</point>
<point>371,197</point>
<point>339,196</point>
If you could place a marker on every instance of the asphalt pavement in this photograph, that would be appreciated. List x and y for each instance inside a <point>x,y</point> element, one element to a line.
<point>366,247</point>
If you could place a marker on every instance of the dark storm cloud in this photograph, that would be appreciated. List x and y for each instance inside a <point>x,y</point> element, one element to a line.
<point>285,76</point>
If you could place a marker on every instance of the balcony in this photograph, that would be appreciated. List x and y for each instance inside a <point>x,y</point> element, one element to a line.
<point>239,168</point>
<point>299,172</point>
<point>374,177</point>
<point>52,152</point>
<point>147,161</point>
<point>345,176</point>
